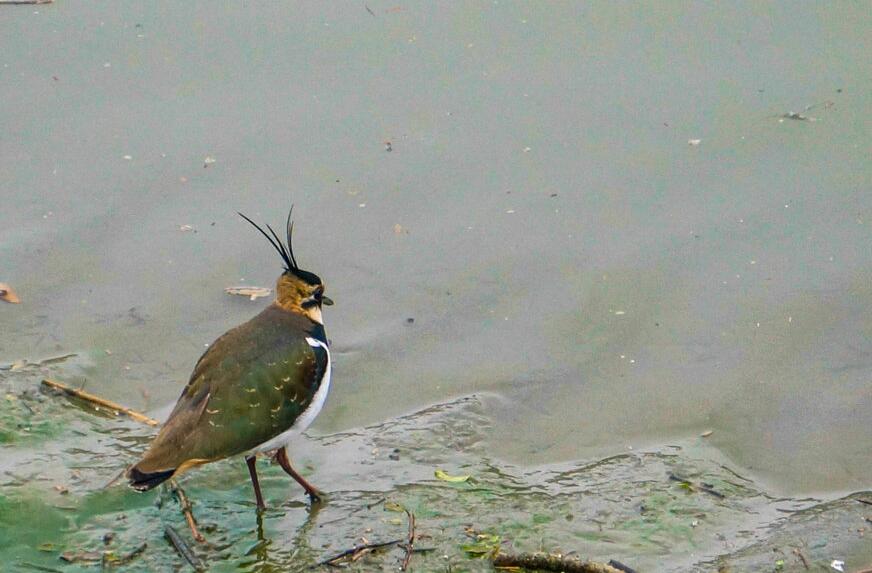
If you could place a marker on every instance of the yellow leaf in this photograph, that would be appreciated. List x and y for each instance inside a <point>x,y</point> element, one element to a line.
<point>449,478</point>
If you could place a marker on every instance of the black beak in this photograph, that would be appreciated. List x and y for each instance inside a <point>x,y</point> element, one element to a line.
<point>327,300</point>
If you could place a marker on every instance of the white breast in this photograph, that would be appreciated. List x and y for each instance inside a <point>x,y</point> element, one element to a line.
<point>308,416</point>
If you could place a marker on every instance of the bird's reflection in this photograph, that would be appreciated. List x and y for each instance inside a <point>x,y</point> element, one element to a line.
<point>260,552</point>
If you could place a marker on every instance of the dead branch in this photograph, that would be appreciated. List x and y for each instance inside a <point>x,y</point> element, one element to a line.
<point>551,562</point>
<point>187,511</point>
<point>356,552</point>
<point>91,398</point>
<point>410,543</point>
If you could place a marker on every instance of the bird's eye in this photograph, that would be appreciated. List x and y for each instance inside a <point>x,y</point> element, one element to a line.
<point>319,292</point>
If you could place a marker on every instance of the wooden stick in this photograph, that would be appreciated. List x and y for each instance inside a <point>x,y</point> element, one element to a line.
<point>410,544</point>
<point>26,1</point>
<point>187,511</point>
<point>88,397</point>
<point>798,553</point>
<point>356,551</point>
<point>183,548</point>
<point>621,566</point>
<point>551,562</point>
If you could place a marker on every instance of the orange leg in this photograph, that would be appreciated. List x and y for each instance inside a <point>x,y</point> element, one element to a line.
<point>282,459</point>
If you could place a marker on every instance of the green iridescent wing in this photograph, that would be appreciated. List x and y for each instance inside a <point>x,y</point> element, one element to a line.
<point>249,387</point>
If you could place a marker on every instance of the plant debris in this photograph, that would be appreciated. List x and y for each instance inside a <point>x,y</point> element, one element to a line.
<point>7,294</point>
<point>99,402</point>
<point>552,562</point>
<point>801,116</point>
<point>183,548</point>
<point>394,506</point>
<point>253,293</point>
<point>485,544</point>
<point>75,556</point>
<point>357,552</point>
<point>441,475</point>
<point>688,485</point>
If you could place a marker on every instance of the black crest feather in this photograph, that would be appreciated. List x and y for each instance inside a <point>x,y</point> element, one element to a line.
<point>284,249</point>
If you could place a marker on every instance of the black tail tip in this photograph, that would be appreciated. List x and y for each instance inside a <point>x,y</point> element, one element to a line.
<point>144,481</point>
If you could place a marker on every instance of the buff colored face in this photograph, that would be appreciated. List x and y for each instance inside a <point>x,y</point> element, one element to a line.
<point>302,294</point>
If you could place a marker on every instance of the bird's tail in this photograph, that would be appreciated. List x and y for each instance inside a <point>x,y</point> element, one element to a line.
<point>144,481</point>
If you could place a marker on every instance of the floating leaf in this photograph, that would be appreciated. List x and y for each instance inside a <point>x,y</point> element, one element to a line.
<point>449,478</point>
<point>394,506</point>
<point>7,294</point>
<point>251,292</point>
<point>485,544</point>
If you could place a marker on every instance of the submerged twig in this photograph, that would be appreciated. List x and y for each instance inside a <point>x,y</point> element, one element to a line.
<point>37,567</point>
<point>798,553</point>
<point>800,116</point>
<point>183,548</point>
<point>110,559</point>
<point>551,562</point>
<point>187,511</point>
<point>88,397</point>
<point>621,567</point>
<point>410,543</point>
<point>357,552</point>
<point>56,359</point>
<point>690,486</point>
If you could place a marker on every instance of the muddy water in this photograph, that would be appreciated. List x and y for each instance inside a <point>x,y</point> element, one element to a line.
<point>601,285</point>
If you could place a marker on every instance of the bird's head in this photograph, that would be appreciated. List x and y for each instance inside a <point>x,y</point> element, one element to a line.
<point>296,290</point>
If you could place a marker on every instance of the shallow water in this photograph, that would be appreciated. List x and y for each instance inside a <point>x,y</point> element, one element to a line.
<point>603,287</point>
